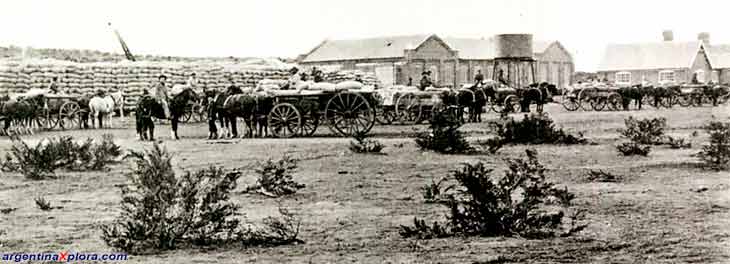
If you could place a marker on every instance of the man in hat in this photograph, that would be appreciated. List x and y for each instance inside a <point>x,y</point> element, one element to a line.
<point>193,81</point>
<point>293,79</point>
<point>425,80</point>
<point>160,93</point>
<point>478,78</point>
<point>53,86</point>
<point>317,75</point>
<point>500,78</point>
<point>358,78</point>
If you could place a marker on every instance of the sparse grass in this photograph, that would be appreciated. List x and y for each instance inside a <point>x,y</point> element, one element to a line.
<point>678,143</point>
<point>435,191</point>
<point>491,145</point>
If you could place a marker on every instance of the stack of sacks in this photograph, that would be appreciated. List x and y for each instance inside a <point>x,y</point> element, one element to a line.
<point>270,84</point>
<point>350,75</point>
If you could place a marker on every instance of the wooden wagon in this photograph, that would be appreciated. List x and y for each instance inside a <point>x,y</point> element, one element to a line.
<point>63,111</point>
<point>300,113</point>
<point>598,97</point>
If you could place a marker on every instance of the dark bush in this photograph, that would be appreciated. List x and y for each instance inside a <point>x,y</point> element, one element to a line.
<point>534,129</point>
<point>362,144</point>
<point>444,136</point>
<point>717,154</point>
<point>275,178</point>
<point>520,203</point>
<point>633,148</point>
<point>161,211</point>
<point>492,145</point>
<point>51,154</point>
<point>434,191</point>
<point>644,131</point>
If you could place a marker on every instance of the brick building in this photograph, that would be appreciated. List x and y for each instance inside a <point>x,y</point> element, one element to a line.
<point>668,61</point>
<point>452,61</point>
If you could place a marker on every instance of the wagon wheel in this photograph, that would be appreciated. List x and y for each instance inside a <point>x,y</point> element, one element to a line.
<point>310,117</point>
<point>284,120</point>
<point>598,103</point>
<point>492,103</point>
<point>187,114</point>
<point>68,115</point>
<point>198,113</point>
<point>668,101</point>
<point>350,114</point>
<point>511,102</point>
<point>45,120</point>
<point>408,109</point>
<point>385,116</point>
<point>685,100</point>
<point>585,98</point>
<point>570,101</point>
<point>615,101</point>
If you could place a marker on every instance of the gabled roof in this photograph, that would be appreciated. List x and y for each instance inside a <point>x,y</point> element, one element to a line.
<point>657,55</point>
<point>719,55</point>
<point>394,47</point>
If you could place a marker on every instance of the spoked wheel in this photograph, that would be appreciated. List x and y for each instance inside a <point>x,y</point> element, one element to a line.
<point>511,103</point>
<point>284,120</point>
<point>685,100</point>
<point>598,103</point>
<point>570,101</point>
<point>310,117</point>
<point>385,116</point>
<point>199,113</point>
<point>187,114</point>
<point>408,109</point>
<point>68,116</point>
<point>349,114</point>
<point>585,98</point>
<point>615,102</point>
<point>45,121</point>
<point>668,101</point>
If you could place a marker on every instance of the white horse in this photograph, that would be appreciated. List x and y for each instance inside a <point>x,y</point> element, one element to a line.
<point>101,108</point>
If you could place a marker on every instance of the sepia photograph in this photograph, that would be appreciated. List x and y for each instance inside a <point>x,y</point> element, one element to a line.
<point>344,131</point>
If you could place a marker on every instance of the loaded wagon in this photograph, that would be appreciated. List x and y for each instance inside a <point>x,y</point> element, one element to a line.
<point>63,111</point>
<point>598,97</point>
<point>346,112</point>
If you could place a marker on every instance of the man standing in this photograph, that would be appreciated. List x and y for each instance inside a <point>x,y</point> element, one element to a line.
<point>500,78</point>
<point>425,80</point>
<point>53,86</point>
<point>160,93</point>
<point>293,79</point>
<point>317,75</point>
<point>193,81</point>
<point>478,78</point>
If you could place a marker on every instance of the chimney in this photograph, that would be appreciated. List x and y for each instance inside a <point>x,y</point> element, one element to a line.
<point>704,37</point>
<point>668,35</point>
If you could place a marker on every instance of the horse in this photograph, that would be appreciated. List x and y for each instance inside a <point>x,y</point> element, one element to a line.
<point>22,112</point>
<point>218,102</point>
<point>252,107</point>
<point>537,93</point>
<point>102,107</point>
<point>635,93</point>
<point>149,107</point>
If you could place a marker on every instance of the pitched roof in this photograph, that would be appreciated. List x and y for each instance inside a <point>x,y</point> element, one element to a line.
<point>719,56</point>
<point>657,55</point>
<point>394,47</point>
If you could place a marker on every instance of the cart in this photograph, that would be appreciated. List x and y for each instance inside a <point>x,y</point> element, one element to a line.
<point>300,113</point>
<point>59,110</point>
<point>595,97</point>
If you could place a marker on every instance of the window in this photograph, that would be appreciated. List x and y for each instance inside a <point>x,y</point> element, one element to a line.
<point>623,77</point>
<point>700,76</point>
<point>666,77</point>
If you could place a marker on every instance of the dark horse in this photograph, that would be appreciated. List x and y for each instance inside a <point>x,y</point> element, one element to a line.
<point>21,112</point>
<point>476,108</point>
<point>537,93</point>
<point>148,107</point>
<point>252,107</point>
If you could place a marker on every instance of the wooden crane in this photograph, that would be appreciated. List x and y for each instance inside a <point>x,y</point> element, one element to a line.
<point>127,53</point>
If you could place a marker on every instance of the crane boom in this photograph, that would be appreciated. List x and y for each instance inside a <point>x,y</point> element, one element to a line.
<point>127,53</point>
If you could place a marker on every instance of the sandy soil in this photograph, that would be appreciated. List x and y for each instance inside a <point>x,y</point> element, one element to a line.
<point>666,209</point>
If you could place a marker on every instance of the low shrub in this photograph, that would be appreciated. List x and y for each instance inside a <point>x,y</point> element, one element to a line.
<point>521,203</point>
<point>43,204</point>
<point>434,191</point>
<point>716,155</point>
<point>602,176</point>
<point>644,131</point>
<point>633,148</point>
<point>275,178</point>
<point>444,136</point>
<point>162,211</point>
<point>534,129</point>
<point>677,143</point>
<point>362,144</point>
<point>42,160</point>
<point>492,145</point>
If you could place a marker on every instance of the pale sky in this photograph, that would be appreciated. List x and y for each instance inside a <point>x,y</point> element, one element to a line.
<point>286,28</point>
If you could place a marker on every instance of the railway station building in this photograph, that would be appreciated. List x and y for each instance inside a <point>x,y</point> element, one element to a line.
<point>668,61</point>
<point>452,61</point>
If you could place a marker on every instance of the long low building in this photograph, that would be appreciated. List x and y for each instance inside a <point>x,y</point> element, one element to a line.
<point>452,61</point>
<point>668,61</point>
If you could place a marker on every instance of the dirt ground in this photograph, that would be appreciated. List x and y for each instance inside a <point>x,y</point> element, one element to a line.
<point>666,209</point>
